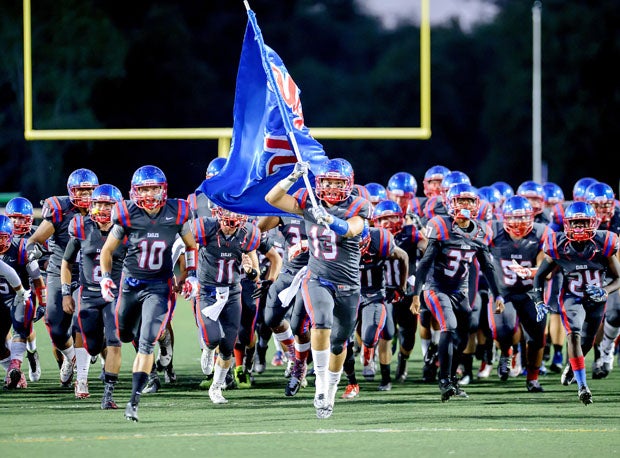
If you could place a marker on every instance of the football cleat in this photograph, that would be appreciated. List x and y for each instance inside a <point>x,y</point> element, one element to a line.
<point>298,377</point>
<point>431,360</point>
<point>81,389</point>
<point>153,384</point>
<point>107,402</point>
<point>368,371</point>
<point>215,394</point>
<point>131,412</point>
<point>289,368</point>
<point>515,365</point>
<point>278,358</point>
<point>465,379</point>
<point>34,366</point>
<point>459,392</point>
<point>259,365</point>
<point>447,390</point>
<point>15,378</point>
<point>485,370</point>
<point>169,375</point>
<point>567,376</point>
<point>401,369</point>
<point>165,350</point>
<point>324,408</point>
<point>385,386</point>
<point>66,371</point>
<point>585,395</point>
<point>207,360</point>
<point>242,378</point>
<point>533,386</point>
<point>556,362</point>
<point>351,392</point>
<point>503,370</point>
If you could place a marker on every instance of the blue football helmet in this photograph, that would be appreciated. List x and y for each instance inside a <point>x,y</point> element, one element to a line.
<point>451,179</point>
<point>504,189</point>
<point>401,188</point>
<point>602,199</point>
<point>389,215</point>
<point>6,233</point>
<point>533,192</point>
<point>580,222</point>
<point>20,210</point>
<point>148,176</point>
<point>580,188</point>
<point>376,192</point>
<point>553,193</point>
<point>462,201</point>
<point>491,195</point>
<point>432,180</point>
<point>336,171</point>
<point>215,166</point>
<point>104,194</point>
<point>365,238</point>
<point>518,216</point>
<point>81,179</point>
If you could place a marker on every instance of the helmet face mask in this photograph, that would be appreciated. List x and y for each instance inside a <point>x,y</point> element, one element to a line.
<point>602,199</point>
<point>6,233</point>
<point>334,181</point>
<point>388,215</point>
<point>149,188</point>
<point>463,202</point>
<point>20,211</point>
<point>518,216</point>
<point>80,186</point>
<point>580,222</point>
<point>229,219</point>
<point>103,199</point>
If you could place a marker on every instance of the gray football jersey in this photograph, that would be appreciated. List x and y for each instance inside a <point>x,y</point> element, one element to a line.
<point>88,239</point>
<point>333,257</point>
<point>58,211</point>
<point>505,250</point>
<point>219,261</point>
<point>294,231</point>
<point>150,238</point>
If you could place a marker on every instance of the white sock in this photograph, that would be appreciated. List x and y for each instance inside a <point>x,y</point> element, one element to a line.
<point>333,378</point>
<point>17,350</point>
<point>424,344</point>
<point>286,335</point>
<point>201,341</point>
<point>82,361</point>
<point>219,375</point>
<point>300,347</point>
<point>69,353</point>
<point>320,360</point>
<point>435,334</point>
<point>609,337</point>
<point>31,345</point>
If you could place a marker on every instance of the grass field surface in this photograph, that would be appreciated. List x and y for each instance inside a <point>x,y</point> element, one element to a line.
<point>498,419</point>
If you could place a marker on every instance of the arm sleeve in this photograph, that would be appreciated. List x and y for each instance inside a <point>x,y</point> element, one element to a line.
<point>425,265</point>
<point>10,275</point>
<point>487,267</point>
<point>545,268</point>
<point>72,250</point>
<point>118,232</point>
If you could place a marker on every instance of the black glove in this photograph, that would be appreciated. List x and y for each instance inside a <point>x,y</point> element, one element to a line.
<point>262,289</point>
<point>40,313</point>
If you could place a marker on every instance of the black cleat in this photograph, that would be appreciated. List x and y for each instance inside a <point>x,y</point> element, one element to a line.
<point>533,386</point>
<point>131,412</point>
<point>585,396</point>
<point>447,390</point>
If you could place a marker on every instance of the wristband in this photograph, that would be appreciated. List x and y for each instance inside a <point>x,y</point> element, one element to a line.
<point>106,275</point>
<point>252,274</point>
<point>65,289</point>
<point>339,226</point>
<point>287,183</point>
<point>191,273</point>
<point>190,259</point>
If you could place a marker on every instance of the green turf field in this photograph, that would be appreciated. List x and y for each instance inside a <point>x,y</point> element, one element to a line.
<point>499,419</point>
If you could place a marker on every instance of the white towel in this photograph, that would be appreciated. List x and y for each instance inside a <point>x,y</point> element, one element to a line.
<point>213,311</point>
<point>287,294</point>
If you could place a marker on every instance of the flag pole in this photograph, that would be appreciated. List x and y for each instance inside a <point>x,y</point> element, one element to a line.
<point>287,122</point>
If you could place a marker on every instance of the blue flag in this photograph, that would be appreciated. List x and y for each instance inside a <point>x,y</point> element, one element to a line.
<point>267,107</point>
